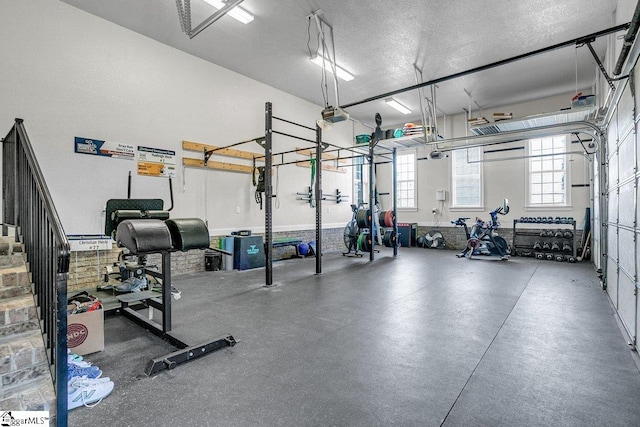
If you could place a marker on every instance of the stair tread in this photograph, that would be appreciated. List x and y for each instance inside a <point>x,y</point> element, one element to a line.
<point>19,301</point>
<point>36,395</point>
<point>27,336</point>
<point>10,269</point>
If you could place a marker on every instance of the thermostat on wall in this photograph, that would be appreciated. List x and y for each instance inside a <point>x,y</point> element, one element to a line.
<point>441,195</point>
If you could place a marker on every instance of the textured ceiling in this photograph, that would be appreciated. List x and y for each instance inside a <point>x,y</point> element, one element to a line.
<point>380,41</point>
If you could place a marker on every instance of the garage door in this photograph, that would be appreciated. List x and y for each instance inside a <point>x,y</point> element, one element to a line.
<point>621,235</point>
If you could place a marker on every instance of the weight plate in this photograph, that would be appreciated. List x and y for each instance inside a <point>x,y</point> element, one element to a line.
<point>363,218</point>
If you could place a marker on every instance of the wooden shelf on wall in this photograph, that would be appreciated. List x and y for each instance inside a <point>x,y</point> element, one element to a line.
<point>227,152</point>
<point>246,155</point>
<point>231,167</point>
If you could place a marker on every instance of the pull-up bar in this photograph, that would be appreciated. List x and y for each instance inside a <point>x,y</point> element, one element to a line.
<point>293,123</point>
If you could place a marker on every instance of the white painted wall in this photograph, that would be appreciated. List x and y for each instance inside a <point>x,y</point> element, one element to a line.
<point>68,73</point>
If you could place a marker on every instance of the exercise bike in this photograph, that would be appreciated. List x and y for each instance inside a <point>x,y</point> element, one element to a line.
<point>483,238</point>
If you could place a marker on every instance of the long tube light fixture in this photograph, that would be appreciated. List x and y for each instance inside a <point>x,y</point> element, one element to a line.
<point>237,12</point>
<point>340,72</point>
<point>396,105</point>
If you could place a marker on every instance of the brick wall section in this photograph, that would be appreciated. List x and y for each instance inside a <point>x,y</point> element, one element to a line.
<point>86,270</point>
<point>455,238</point>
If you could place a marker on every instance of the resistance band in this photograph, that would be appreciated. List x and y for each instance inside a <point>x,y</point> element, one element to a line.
<point>312,198</point>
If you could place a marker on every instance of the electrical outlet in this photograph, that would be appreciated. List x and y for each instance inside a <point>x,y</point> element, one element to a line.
<point>434,211</point>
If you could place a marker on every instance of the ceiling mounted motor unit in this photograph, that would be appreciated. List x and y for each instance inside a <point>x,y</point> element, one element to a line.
<point>334,115</point>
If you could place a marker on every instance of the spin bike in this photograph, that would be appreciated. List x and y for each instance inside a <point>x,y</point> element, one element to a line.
<point>483,238</point>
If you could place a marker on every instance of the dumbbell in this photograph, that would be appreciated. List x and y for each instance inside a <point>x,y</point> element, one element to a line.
<point>571,259</point>
<point>555,246</point>
<point>546,246</point>
<point>558,234</point>
<point>568,235</point>
<point>537,246</point>
<point>559,258</point>
<point>566,247</point>
<point>539,255</point>
<point>549,257</point>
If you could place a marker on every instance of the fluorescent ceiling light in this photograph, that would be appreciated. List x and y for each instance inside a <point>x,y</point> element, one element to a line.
<point>395,104</point>
<point>237,12</point>
<point>341,72</point>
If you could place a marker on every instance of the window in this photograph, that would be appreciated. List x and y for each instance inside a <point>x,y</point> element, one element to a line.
<point>548,172</point>
<point>406,174</point>
<point>466,185</point>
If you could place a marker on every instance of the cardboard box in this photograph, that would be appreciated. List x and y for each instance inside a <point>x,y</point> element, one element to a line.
<point>85,332</point>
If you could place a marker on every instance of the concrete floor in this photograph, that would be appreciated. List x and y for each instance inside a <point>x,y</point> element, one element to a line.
<point>419,340</point>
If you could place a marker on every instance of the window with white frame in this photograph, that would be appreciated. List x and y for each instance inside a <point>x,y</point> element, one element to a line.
<point>466,178</point>
<point>548,178</point>
<point>406,176</point>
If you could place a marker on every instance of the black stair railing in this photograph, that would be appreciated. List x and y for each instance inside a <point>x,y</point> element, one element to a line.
<point>28,207</point>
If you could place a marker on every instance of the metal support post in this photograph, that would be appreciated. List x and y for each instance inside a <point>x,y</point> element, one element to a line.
<point>166,292</point>
<point>318,199</point>
<point>395,202</point>
<point>61,367</point>
<point>372,195</point>
<point>268,194</point>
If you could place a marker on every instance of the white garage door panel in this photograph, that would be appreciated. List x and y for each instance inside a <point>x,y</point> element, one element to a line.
<point>626,213</point>
<point>626,254</point>
<point>613,207</point>
<point>620,226</point>
<point>612,281</point>
<point>626,155</point>
<point>625,112</point>
<point>637,318</point>
<point>613,171</point>
<point>612,244</point>
<point>612,135</point>
<point>627,304</point>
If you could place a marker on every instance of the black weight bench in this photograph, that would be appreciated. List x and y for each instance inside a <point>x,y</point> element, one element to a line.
<point>143,237</point>
<point>282,243</point>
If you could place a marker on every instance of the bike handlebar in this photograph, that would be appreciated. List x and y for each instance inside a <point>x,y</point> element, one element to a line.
<point>459,221</point>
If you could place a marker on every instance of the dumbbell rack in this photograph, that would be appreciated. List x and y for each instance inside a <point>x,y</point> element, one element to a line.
<point>523,239</point>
